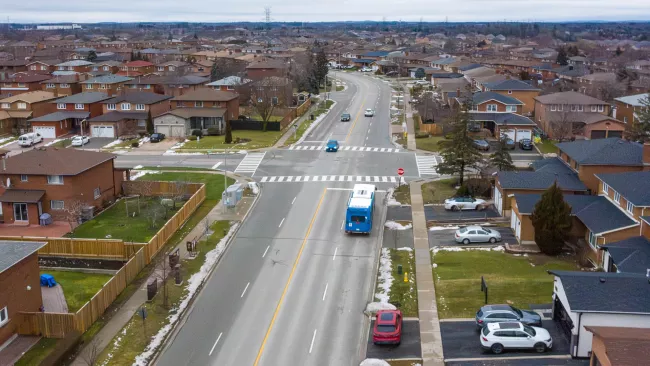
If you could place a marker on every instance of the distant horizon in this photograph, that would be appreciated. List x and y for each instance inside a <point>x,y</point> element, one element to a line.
<point>338,21</point>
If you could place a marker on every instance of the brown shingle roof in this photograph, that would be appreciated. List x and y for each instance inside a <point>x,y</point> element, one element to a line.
<point>196,112</point>
<point>625,346</point>
<point>267,65</point>
<point>207,95</point>
<point>31,97</point>
<point>28,78</point>
<point>569,97</point>
<point>53,161</point>
<point>22,195</point>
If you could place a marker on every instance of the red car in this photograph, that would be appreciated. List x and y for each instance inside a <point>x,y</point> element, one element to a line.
<point>388,327</point>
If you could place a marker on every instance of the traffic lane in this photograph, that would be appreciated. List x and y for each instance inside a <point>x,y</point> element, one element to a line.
<point>379,130</point>
<point>563,361</point>
<point>321,318</point>
<point>220,302</point>
<point>408,348</point>
<point>345,103</point>
<point>461,340</point>
<point>445,238</point>
<point>438,213</point>
<point>197,161</point>
<point>359,131</point>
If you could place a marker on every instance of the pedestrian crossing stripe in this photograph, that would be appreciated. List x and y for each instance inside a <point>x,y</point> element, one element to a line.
<point>346,148</point>
<point>250,163</point>
<point>426,164</point>
<point>330,178</point>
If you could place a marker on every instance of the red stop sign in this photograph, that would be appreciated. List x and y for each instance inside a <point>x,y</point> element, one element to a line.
<point>400,171</point>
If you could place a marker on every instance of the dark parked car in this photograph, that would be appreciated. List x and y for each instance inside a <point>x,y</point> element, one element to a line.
<point>157,137</point>
<point>510,144</point>
<point>474,128</point>
<point>525,144</point>
<point>482,145</point>
<point>506,313</point>
<point>345,117</point>
<point>388,327</point>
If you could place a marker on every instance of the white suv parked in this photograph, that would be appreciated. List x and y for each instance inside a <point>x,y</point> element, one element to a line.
<point>514,335</point>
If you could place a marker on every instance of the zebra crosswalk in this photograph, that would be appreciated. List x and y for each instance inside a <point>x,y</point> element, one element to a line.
<point>250,163</point>
<point>329,178</point>
<point>426,164</point>
<point>346,148</point>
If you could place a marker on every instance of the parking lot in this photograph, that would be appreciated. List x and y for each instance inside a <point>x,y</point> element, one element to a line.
<point>445,238</point>
<point>398,213</point>
<point>438,213</point>
<point>460,340</point>
<point>529,361</point>
<point>409,348</point>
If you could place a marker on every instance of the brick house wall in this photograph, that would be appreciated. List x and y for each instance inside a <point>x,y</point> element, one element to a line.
<point>38,108</point>
<point>156,108</point>
<point>15,296</point>
<point>625,112</point>
<point>95,109</point>
<point>74,88</point>
<point>525,96</point>
<point>500,107</point>
<point>541,118</point>
<point>258,74</point>
<point>231,106</point>
<point>111,90</point>
<point>607,126</point>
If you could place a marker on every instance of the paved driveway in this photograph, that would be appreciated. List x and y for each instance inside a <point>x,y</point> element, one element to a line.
<point>162,146</point>
<point>438,213</point>
<point>96,143</point>
<point>460,340</point>
<point>528,361</point>
<point>398,213</point>
<point>409,348</point>
<point>445,238</point>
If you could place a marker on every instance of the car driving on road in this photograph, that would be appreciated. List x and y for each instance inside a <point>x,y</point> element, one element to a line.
<point>79,140</point>
<point>476,234</point>
<point>505,313</point>
<point>345,117</point>
<point>422,82</point>
<point>388,327</point>
<point>369,113</point>
<point>464,203</point>
<point>332,146</point>
<point>498,337</point>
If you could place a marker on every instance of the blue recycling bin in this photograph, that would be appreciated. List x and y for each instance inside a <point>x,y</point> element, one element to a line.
<point>47,280</point>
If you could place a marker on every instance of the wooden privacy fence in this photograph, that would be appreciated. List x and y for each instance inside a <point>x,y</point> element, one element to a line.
<point>431,128</point>
<point>112,249</point>
<point>57,325</point>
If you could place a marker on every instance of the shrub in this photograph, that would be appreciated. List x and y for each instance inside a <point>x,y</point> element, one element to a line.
<point>191,138</point>
<point>463,191</point>
<point>197,133</point>
<point>213,131</point>
<point>422,135</point>
<point>135,144</point>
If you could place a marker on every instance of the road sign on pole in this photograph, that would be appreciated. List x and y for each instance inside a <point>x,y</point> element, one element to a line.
<point>400,171</point>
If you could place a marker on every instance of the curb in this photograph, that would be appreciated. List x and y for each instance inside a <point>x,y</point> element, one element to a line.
<point>314,124</point>
<point>188,310</point>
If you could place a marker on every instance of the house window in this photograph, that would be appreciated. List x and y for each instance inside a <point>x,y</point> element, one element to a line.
<point>21,105</point>
<point>605,188</point>
<point>97,193</point>
<point>625,119</point>
<point>6,105</point>
<point>594,108</point>
<point>4,316</point>
<point>553,107</point>
<point>105,68</point>
<point>171,68</point>
<point>180,105</point>
<point>147,86</point>
<point>593,240</point>
<point>60,106</point>
<point>161,68</point>
<point>198,104</point>
<point>559,107</point>
<point>32,67</point>
<point>511,108</point>
<point>43,68</point>
<point>230,87</point>
<point>110,107</point>
<point>64,85</point>
<point>54,179</point>
<point>601,108</point>
<point>132,86</point>
<point>617,197</point>
<point>79,106</point>
<point>580,108</point>
<point>57,205</point>
<point>491,107</point>
<point>126,106</point>
<point>139,107</point>
<point>102,86</point>
<point>21,85</point>
<point>630,207</point>
<point>142,123</point>
<point>23,178</point>
<point>89,86</point>
<point>50,86</point>
<point>573,108</point>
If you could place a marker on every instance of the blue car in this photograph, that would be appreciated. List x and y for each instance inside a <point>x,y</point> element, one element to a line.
<point>332,146</point>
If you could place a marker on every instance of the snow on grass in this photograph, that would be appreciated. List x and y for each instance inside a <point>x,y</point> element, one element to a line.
<point>393,225</point>
<point>173,152</point>
<point>390,200</point>
<point>116,142</point>
<point>374,307</point>
<point>116,344</point>
<point>143,140</point>
<point>373,362</point>
<point>120,152</point>
<point>498,248</point>
<point>178,145</point>
<point>254,187</point>
<point>137,175</point>
<point>138,167</point>
<point>193,284</point>
<point>406,249</point>
<point>385,276</point>
<point>49,143</point>
<point>439,228</point>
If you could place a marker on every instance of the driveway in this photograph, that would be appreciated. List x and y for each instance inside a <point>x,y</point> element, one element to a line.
<point>409,348</point>
<point>162,146</point>
<point>438,213</point>
<point>445,238</point>
<point>398,213</point>
<point>523,362</point>
<point>96,143</point>
<point>460,340</point>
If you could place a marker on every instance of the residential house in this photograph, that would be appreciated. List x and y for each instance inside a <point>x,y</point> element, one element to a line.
<point>234,84</point>
<point>109,84</point>
<point>137,68</point>
<point>277,89</point>
<point>566,114</point>
<point>180,122</point>
<point>64,85</point>
<point>376,55</point>
<point>22,83</point>
<point>263,69</point>
<point>631,255</point>
<point>168,85</point>
<point>628,107</point>
<point>517,89</point>
<point>127,113</point>
<point>75,65</point>
<point>209,98</point>
<point>20,284</point>
<point>71,114</point>
<point>43,66</point>
<point>173,68</point>
<point>10,67</point>
<point>47,180</point>
<point>619,346</point>
<point>111,66</point>
<point>16,110</point>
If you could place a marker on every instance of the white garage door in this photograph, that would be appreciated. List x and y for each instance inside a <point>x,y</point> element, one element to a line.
<point>164,130</point>
<point>509,133</point>
<point>102,131</point>
<point>498,201</point>
<point>46,132</point>
<point>515,224</point>
<point>524,134</point>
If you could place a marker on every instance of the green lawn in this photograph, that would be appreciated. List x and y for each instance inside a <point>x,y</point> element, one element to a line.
<point>213,182</point>
<point>340,88</point>
<point>439,190</point>
<point>133,339</point>
<point>257,117</point>
<point>124,144</point>
<point>518,280</point>
<point>62,144</point>
<point>184,168</point>
<point>116,223</point>
<point>305,124</point>
<point>403,194</point>
<point>258,139</point>
<point>78,287</point>
<point>37,354</point>
<point>403,294</point>
<point>547,146</point>
<point>429,144</point>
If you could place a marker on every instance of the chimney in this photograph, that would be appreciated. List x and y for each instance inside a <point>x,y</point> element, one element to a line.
<point>76,77</point>
<point>646,154</point>
<point>457,92</point>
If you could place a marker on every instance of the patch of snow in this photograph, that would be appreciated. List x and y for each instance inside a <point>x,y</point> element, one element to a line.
<point>138,167</point>
<point>385,276</point>
<point>172,152</point>
<point>390,198</point>
<point>120,152</point>
<point>435,265</point>
<point>406,249</point>
<point>499,248</point>
<point>193,284</point>
<point>48,144</point>
<point>3,140</point>
<point>374,307</point>
<point>138,174</point>
<point>439,228</point>
<point>373,362</point>
<point>178,145</point>
<point>118,141</point>
<point>392,225</point>
<point>254,187</point>
<point>143,140</point>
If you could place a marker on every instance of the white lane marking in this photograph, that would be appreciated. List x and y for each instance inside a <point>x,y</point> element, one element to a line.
<point>312,341</point>
<point>294,200</point>
<point>215,166</point>
<point>289,179</point>
<point>264,179</point>
<point>281,179</point>
<point>325,292</point>
<point>367,137</point>
<point>335,251</point>
<point>246,288</point>
<point>342,224</point>
<point>267,249</point>
<point>370,124</point>
<point>393,180</point>
<point>273,179</point>
<point>215,344</point>
<point>281,222</point>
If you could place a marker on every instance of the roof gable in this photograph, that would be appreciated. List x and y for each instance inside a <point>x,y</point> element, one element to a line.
<point>611,151</point>
<point>631,255</point>
<point>633,186</point>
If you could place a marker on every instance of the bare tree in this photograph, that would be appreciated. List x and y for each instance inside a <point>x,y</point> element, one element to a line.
<point>178,191</point>
<point>267,95</point>
<point>72,210</point>
<point>162,272</point>
<point>90,354</point>
<point>561,123</point>
<point>155,212</point>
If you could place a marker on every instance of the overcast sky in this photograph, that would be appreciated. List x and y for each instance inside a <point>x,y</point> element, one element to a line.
<point>89,11</point>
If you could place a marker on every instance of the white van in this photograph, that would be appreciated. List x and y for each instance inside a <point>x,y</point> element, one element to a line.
<point>30,139</point>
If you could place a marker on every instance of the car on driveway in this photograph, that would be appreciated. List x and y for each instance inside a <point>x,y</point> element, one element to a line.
<point>366,69</point>
<point>156,137</point>
<point>506,313</point>
<point>525,144</point>
<point>345,117</point>
<point>388,327</point>
<point>332,146</point>
<point>476,234</point>
<point>369,113</point>
<point>482,145</point>
<point>510,143</point>
<point>498,337</point>
<point>79,140</point>
<point>464,203</point>
<point>422,82</point>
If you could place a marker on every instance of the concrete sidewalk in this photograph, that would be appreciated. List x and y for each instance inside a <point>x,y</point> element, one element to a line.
<point>128,309</point>
<point>431,341</point>
<point>410,124</point>
<point>290,131</point>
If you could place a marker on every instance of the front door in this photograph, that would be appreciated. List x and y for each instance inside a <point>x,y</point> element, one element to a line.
<point>20,212</point>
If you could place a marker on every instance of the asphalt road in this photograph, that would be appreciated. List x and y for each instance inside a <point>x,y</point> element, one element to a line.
<point>230,162</point>
<point>409,347</point>
<point>292,286</point>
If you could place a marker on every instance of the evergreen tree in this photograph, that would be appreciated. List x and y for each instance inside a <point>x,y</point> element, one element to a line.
<point>228,137</point>
<point>562,58</point>
<point>196,36</point>
<point>524,75</point>
<point>501,158</point>
<point>459,152</point>
<point>320,66</point>
<point>92,56</point>
<point>639,128</point>
<point>419,73</point>
<point>619,51</point>
<point>169,38</point>
<point>214,72</point>
<point>552,221</point>
<point>150,129</point>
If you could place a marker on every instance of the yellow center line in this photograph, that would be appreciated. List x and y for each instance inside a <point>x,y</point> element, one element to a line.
<point>355,120</point>
<point>293,269</point>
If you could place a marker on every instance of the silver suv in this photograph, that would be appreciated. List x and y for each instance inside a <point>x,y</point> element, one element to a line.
<point>506,313</point>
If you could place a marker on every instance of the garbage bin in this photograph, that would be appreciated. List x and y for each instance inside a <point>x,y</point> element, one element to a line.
<point>311,116</point>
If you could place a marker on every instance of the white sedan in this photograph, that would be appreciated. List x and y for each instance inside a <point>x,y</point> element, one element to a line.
<point>80,140</point>
<point>369,113</point>
<point>464,203</point>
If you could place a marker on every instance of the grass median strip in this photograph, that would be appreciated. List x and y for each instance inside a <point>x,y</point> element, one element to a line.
<point>391,285</point>
<point>308,122</point>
